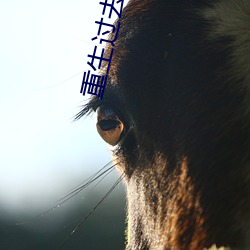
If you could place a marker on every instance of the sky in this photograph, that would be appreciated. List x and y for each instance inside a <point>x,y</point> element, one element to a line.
<point>43,54</point>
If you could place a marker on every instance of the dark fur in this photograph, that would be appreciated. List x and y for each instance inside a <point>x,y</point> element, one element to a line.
<point>186,151</point>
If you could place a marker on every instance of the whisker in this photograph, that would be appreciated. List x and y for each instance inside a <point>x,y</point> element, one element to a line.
<point>108,172</point>
<point>91,191</point>
<point>59,83</point>
<point>86,183</point>
<point>103,171</point>
<point>92,43</point>
<point>63,81</point>
<point>93,209</point>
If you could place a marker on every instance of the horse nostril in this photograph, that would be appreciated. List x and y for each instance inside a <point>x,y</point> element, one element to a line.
<point>109,126</point>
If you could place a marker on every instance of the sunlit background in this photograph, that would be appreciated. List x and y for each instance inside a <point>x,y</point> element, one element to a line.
<point>44,153</point>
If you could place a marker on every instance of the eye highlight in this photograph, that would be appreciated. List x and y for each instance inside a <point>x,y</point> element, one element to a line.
<point>108,125</point>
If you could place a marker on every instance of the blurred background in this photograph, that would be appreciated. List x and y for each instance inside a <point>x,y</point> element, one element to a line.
<point>44,154</point>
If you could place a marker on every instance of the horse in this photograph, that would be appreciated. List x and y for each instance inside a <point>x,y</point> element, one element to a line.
<point>176,112</point>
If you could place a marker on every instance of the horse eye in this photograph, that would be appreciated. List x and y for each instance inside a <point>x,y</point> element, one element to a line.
<point>108,125</point>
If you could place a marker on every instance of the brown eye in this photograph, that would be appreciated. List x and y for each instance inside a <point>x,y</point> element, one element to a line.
<point>109,126</point>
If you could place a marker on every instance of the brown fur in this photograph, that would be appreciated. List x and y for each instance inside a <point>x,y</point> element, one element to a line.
<point>185,151</point>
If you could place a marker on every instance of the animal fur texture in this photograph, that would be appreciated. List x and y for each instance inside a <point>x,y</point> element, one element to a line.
<point>179,81</point>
